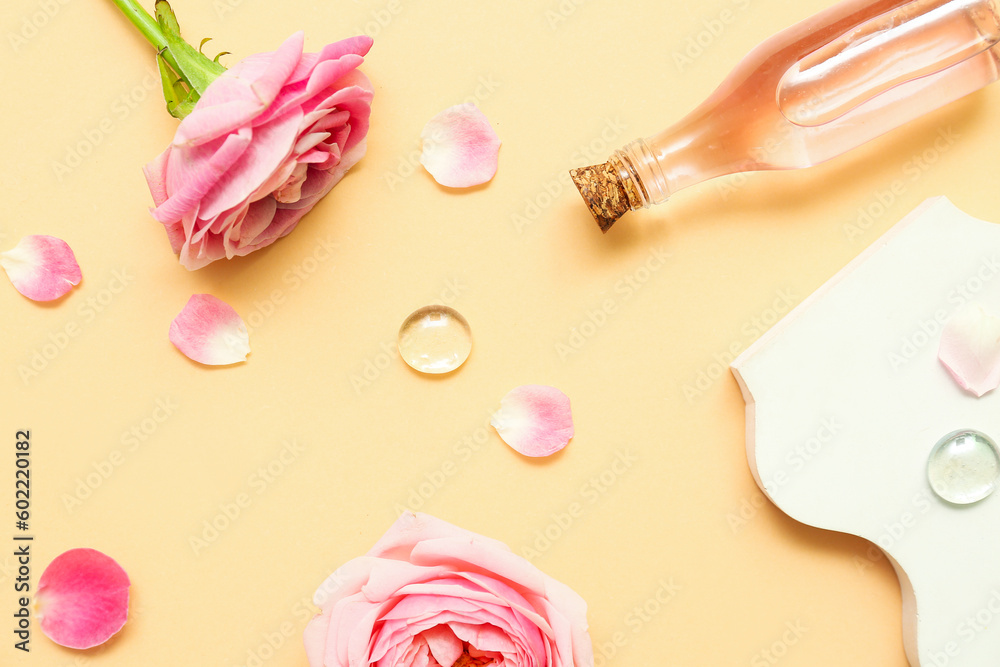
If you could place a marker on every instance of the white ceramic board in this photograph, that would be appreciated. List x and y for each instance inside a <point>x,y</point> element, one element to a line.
<point>845,400</point>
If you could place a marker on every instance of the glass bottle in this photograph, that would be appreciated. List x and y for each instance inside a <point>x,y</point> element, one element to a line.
<point>807,94</point>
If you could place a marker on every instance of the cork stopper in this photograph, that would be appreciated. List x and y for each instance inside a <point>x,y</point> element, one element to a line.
<point>604,192</point>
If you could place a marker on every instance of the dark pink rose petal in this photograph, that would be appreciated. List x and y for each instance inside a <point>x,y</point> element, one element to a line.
<point>460,148</point>
<point>82,599</point>
<point>210,332</point>
<point>534,419</point>
<point>970,348</point>
<point>41,268</point>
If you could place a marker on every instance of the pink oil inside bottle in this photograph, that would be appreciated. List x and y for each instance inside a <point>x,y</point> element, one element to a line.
<point>823,87</point>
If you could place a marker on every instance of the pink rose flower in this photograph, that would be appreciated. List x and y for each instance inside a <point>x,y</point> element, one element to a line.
<point>267,140</point>
<point>431,594</point>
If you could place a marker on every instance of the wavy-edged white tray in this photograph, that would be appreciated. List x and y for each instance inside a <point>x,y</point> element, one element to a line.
<point>845,400</point>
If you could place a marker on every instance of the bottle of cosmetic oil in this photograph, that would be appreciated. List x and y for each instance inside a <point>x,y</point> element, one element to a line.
<point>807,94</point>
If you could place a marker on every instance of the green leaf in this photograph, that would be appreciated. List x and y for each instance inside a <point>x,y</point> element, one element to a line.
<point>180,100</point>
<point>168,80</point>
<point>196,69</point>
<point>185,107</point>
<point>166,19</point>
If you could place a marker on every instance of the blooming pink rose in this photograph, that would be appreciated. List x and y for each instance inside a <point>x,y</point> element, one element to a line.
<point>431,594</point>
<point>268,139</point>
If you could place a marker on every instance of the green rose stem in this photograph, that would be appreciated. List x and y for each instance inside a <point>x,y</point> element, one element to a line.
<point>185,72</point>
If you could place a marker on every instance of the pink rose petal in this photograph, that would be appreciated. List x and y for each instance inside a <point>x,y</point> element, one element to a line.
<point>534,419</point>
<point>460,148</point>
<point>82,599</point>
<point>209,331</point>
<point>970,348</point>
<point>41,267</point>
<point>443,644</point>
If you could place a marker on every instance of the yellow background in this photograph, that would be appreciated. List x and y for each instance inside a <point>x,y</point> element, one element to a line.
<point>564,84</point>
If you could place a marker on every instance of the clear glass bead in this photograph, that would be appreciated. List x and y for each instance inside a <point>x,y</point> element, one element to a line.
<point>963,467</point>
<point>435,339</point>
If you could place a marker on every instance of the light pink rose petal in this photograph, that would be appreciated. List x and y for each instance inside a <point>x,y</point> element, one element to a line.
<point>465,619</point>
<point>970,348</point>
<point>196,254</point>
<point>326,75</point>
<point>285,61</point>
<point>534,419</point>
<point>41,267</point>
<point>82,599</point>
<point>460,148</point>
<point>413,528</point>
<point>190,181</point>
<point>282,223</point>
<point>486,637</point>
<point>156,177</point>
<point>229,104</point>
<point>359,44</point>
<point>238,98</point>
<point>259,216</point>
<point>211,122</point>
<point>263,155</point>
<point>417,614</point>
<point>209,331</point>
<point>278,180</point>
<point>444,645</point>
<point>415,653</point>
<point>472,558</point>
